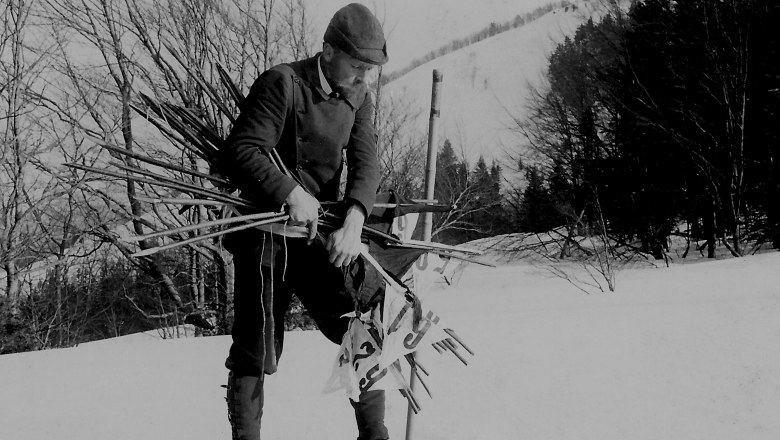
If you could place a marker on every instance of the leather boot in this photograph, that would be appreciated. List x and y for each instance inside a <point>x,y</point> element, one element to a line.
<point>245,405</point>
<point>370,415</point>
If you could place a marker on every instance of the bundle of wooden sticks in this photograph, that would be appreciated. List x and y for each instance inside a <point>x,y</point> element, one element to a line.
<point>185,186</point>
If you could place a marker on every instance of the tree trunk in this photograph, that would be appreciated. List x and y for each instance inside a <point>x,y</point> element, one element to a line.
<point>11,281</point>
<point>710,231</point>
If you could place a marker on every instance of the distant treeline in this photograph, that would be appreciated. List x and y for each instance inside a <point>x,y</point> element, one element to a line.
<point>489,31</point>
<point>662,120</point>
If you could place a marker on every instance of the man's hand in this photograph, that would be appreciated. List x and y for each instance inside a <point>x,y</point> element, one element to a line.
<point>344,244</point>
<point>304,210</point>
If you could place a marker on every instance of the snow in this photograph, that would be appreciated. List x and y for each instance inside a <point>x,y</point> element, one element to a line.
<point>686,352</point>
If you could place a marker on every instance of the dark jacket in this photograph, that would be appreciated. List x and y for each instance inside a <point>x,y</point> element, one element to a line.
<point>287,109</point>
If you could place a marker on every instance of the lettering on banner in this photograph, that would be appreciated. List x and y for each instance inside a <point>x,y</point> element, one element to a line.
<point>408,279</point>
<point>422,263</point>
<point>440,269</point>
<point>396,324</point>
<point>373,376</point>
<point>369,348</point>
<point>404,226</point>
<point>400,224</point>
<point>344,357</point>
<point>415,336</point>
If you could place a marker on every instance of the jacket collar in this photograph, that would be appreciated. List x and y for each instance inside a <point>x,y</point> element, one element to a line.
<point>312,72</point>
<point>321,75</point>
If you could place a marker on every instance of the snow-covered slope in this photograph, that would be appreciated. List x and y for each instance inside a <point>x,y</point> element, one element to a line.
<point>687,352</point>
<point>487,84</point>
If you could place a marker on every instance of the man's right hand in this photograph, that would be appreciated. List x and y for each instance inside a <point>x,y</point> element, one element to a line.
<point>304,210</point>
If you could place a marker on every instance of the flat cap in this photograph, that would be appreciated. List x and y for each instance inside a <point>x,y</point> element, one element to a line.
<point>356,31</point>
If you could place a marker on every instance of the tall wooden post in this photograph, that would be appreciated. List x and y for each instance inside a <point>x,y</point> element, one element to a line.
<point>430,184</point>
<point>433,141</point>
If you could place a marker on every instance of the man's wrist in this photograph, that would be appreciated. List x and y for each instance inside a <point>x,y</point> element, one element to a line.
<point>354,218</point>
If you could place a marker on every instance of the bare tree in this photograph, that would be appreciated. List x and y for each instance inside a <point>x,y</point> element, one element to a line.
<point>25,190</point>
<point>105,26</point>
<point>400,149</point>
<point>163,53</point>
<point>298,29</point>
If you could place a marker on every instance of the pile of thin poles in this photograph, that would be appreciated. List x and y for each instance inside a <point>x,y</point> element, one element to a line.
<point>186,187</point>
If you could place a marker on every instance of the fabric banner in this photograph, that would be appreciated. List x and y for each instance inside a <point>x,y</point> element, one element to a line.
<point>401,336</point>
<point>371,352</point>
<point>403,226</point>
<point>357,368</point>
<point>429,268</point>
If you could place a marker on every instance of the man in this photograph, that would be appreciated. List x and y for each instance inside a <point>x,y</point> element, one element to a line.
<point>308,112</point>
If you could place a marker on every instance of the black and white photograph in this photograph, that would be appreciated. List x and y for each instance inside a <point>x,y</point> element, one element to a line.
<point>390,219</point>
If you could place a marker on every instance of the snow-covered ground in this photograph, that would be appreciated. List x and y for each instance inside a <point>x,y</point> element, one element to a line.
<point>687,352</point>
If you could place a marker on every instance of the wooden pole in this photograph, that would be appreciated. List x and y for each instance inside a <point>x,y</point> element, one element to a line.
<point>433,141</point>
<point>430,184</point>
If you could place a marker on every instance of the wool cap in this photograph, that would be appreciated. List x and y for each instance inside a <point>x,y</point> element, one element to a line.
<point>356,31</point>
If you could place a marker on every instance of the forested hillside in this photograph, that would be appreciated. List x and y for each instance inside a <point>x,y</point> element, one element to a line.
<point>661,121</point>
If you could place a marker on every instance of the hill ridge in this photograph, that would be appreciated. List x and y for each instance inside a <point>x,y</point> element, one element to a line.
<point>487,84</point>
<point>489,31</point>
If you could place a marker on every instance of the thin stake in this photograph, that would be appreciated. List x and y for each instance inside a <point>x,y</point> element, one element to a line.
<point>448,343</point>
<point>413,359</point>
<point>160,177</point>
<point>179,138</point>
<point>430,178</point>
<point>439,246</point>
<point>388,279</point>
<point>455,336</point>
<point>225,221</point>
<point>158,163</point>
<point>177,186</point>
<point>192,121</point>
<point>227,81</point>
<point>415,366</point>
<point>174,118</point>
<point>197,76</point>
<point>192,240</point>
<point>407,391</point>
<point>182,201</point>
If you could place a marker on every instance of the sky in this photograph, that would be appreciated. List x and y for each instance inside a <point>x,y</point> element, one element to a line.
<point>415,27</point>
<point>487,87</point>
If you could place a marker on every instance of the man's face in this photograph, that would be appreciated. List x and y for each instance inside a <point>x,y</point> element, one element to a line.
<point>344,72</point>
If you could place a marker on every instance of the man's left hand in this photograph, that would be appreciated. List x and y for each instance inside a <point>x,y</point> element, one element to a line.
<point>344,244</point>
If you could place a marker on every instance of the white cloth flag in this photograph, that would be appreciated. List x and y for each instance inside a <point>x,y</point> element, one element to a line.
<point>357,368</point>
<point>370,347</point>
<point>368,358</point>
<point>403,226</point>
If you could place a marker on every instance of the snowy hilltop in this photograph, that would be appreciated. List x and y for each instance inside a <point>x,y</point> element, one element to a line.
<point>683,352</point>
<point>487,84</point>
